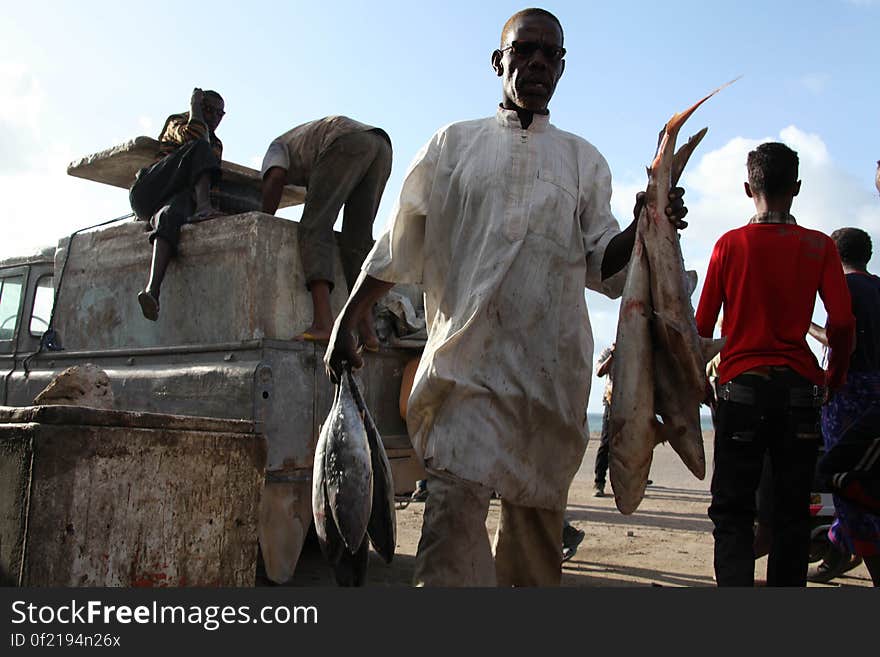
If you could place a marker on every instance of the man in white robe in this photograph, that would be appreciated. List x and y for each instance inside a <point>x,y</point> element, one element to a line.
<point>503,221</point>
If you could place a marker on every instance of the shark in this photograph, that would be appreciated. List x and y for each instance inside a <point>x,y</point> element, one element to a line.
<point>659,367</point>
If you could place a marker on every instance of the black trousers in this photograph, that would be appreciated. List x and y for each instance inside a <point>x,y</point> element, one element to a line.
<point>163,192</point>
<point>745,432</point>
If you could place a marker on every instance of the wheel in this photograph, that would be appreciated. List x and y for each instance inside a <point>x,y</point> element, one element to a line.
<point>820,544</point>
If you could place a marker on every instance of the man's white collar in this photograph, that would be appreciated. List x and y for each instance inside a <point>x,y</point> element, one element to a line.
<point>510,119</point>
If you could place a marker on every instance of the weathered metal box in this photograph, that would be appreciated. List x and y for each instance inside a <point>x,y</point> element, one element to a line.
<point>93,497</point>
<point>237,278</point>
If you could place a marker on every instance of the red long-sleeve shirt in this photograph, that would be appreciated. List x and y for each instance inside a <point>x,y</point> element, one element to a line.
<point>766,275</point>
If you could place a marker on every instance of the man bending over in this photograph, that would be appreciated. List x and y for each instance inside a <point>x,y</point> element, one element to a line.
<point>340,162</point>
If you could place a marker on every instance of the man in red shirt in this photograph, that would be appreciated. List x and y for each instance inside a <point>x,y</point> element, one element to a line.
<point>766,276</point>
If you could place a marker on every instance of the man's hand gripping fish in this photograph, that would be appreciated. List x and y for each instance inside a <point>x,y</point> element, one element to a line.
<point>659,368</point>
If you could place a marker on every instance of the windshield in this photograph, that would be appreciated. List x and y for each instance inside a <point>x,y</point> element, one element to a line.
<point>10,301</point>
<point>44,298</point>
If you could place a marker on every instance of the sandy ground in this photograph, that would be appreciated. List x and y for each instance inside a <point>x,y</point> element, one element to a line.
<point>666,542</point>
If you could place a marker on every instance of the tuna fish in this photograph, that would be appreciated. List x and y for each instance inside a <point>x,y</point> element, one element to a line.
<point>382,526</point>
<point>352,488</point>
<point>344,455</point>
<point>659,360</point>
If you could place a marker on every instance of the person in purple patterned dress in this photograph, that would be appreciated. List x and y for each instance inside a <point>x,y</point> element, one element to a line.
<point>854,413</point>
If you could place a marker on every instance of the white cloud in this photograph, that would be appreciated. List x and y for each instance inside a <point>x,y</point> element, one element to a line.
<point>42,205</point>
<point>21,97</point>
<point>21,103</point>
<point>147,125</point>
<point>810,147</point>
<point>40,202</point>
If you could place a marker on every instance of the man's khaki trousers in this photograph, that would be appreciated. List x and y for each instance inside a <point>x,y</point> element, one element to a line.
<point>454,548</point>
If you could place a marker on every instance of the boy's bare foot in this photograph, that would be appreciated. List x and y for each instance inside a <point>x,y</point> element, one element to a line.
<point>367,333</point>
<point>149,305</point>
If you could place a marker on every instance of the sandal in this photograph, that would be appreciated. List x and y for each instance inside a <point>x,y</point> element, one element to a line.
<point>311,337</point>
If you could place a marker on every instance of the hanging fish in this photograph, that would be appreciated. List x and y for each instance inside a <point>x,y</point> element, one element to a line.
<point>382,526</point>
<point>348,471</point>
<point>660,359</point>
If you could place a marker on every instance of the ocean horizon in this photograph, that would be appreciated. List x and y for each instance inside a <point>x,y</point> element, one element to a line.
<point>595,422</point>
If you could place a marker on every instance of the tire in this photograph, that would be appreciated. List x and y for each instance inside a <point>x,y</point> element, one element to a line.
<point>820,544</point>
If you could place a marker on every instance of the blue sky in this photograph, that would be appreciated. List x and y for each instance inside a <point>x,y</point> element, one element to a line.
<point>79,77</point>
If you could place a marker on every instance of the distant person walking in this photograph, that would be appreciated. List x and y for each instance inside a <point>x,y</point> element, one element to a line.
<point>603,368</point>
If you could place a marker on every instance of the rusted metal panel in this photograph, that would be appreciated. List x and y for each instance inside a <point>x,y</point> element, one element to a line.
<point>280,384</point>
<point>96,417</point>
<point>132,499</point>
<point>286,387</point>
<point>187,381</point>
<point>16,450</point>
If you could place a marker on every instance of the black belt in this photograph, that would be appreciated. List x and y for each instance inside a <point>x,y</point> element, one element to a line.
<point>804,397</point>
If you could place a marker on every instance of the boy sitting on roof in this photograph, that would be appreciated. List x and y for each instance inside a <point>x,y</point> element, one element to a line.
<point>176,188</point>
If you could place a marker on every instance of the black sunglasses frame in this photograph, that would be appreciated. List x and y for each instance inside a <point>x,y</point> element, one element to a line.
<point>529,48</point>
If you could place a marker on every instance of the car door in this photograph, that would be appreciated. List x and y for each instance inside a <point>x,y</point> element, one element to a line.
<point>13,283</point>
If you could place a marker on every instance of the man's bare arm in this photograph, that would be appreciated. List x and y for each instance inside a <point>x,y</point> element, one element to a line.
<point>819,333</point>
<point>195,108</point>
<point>619,249</point>
<point>273,188</point>
<point>343,348</point>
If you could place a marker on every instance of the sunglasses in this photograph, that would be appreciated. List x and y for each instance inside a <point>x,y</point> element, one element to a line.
<point>529,48</point>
